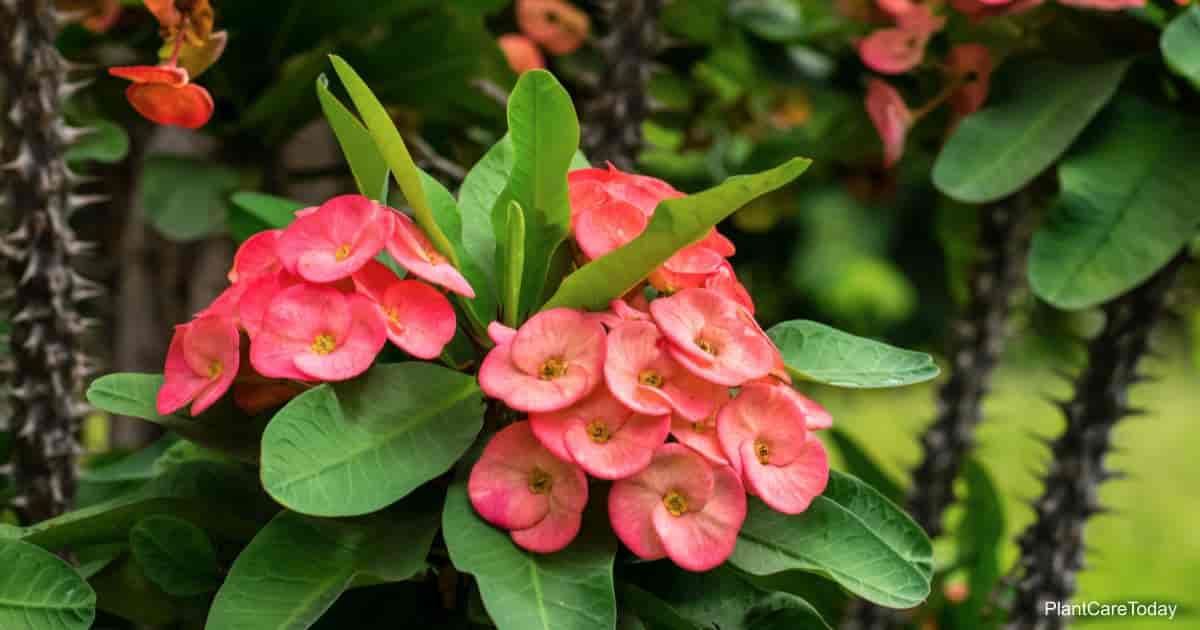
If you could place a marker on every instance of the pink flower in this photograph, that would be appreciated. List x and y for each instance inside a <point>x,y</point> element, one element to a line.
<point>520,486</point>
<point>555,24</point>
<point>313,332</point>
<point>701,435</point>
<point>891,118</point>
<point>336,240</point>
<point>607,439</point>
<point>420,320</point>
<point>763,432</point>
<point>593,187</point>
<point>552,362</point>
<point>601,229</point>
<point>1106,5</point>
<point>681,507</point>
<point>642,373</point>
<point>979,9</point>
<point>973,63</point>
<point>899,49</point>
<point>413,250</point>
<point>201,364</point>
<point>724,282</point>
<point>714,337</point>
<point>520,52</point>
<point>257,295</point>
<point>256,257</point>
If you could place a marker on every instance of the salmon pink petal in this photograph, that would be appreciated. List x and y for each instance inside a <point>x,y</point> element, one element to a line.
<point>227,303</point>
<point>173,76</point>
<point>892,50</point>
<point>768,419</point>
<point>499,485</point>
<point>675,473</point>
<point>499,378</point>
<point>630,510</point>
<point>700,436</point>
<point>500,334</point>
<point>724,283</point>
<point>257,256</point>
<point>420,320</point>
<point>642,375</point>
<point>296,319</point>
<point>342,236</point>
<point>550,427</point>
<point>373,280</point>
<point>558,26</point>
<point>202,363</point>
<point>585,192</point>
<point>552,533</point>
<point>605,228</point>
<point>520,52</point>
<point>972,63</point>
<point>790,488</point>
<point>614,449</point>
<point>553,361</point>
<point>667,281</point>
<point>353,350</point>
<point>712,338</point>
<point>181,384</point>
<point>560,333</point>
<point>718,243</point>
<point>815,416</point>
<point>414,251</point>
<point>189,106</point>
<point>701,540</point>
<point>627,312</point>
<point>891,118</point>
<point>694,259</point>
<point>252,306</point>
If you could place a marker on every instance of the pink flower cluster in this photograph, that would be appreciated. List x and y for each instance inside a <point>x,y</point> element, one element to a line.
<point>315,305</point>
<point>604,392</point>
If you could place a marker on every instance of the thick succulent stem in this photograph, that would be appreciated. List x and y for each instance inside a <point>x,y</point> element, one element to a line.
<point>46,367</point>
<point>1052,548</point>
<point>620,102</point>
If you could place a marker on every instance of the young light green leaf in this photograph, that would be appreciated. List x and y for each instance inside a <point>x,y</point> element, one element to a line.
<point>1128,204</point>
<point>816,352</point>
<point>568,590</point>
<point>676,224</point>
<point>480,190</point>
<point>545,137</point>
<point>996,151</point>
<point>38,591</point>
<point>366,164</point>
<point>395,154</point>
<point>512,261</point>
<point>272,587</point>
<point>176,555</point>
<point>481,310</point>
<point>1180,45</point>
<point>186,198</point>
<point>852,534</point>
<point>399,425</point>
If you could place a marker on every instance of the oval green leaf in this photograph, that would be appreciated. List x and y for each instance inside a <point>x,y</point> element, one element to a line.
<point>176,555</point>
<point>996,151</point>
<point>568,590</point>
<point>851,534</point>
<point>1128,204</point>
<point>38,591</point>
<point>816,352</point>
<point>1180,44</point>
<point>355,447</point>
<point>676,224</point>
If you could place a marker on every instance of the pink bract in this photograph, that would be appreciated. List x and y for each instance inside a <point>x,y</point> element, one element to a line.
<point>374,279</point>
<point>681,507</point>
<point>335,241</point>
<point>202,363</point>
<point>519,485</point>
<point>604,228</point>
<point>724,282</point>
<point>312,332</point>
<point>763,432</point>
<point>714,337</point>
<point>554,360</point>
<point>642,374</point>
<point>414,251</point>
<point>257,295</point>
<point>520,52</point>
<point>899,49</point>
<point>594,187</point>
<point>256,257</point>
<point>601,435</point>
<point>701,435</point>
<point>420,320</point>
<point>971,63</point>
<point>891,118</point>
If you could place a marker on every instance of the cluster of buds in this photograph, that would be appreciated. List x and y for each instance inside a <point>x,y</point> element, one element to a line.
<point>603,393</point>
<point>316,306</point>
<point>555,25</point>
<point>164,93</point>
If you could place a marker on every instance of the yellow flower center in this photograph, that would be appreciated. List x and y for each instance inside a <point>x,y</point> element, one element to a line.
<point>540,481</point>
<point>214,370</point>
<point>706,345</point>
<point>762,452</point>
<point>598,430</point>
<point>552,369</point>
<point>324,344</point>
<point>342,253</point>
<point>676,504</point>
<point>701,427</point>
<point>650,378</point>
<point>393,317</point>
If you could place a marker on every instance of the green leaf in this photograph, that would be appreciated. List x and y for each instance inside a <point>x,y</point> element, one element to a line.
<point>568,590</point>
<point>222,428</point>
<point>367,165</point>
<point>122,589</point>
<point>1180,45</point>
<point>95,558</point>
<point>176,555</point>
<point>108,143</point>
<point>294,570</point>
<point>355,447</point>
<point>861,465</point>
<point>38,591</point>
<point>482,308</point>
<point>719,598</point>
<point>395,154</point>
<point>1128,204</point>
<point>676,224</point>
<point>512,262</point>
<point>996,151</point>
<point>980,542</point>
<point>137,466</point>
<point>185,198</point>
<point>545,137</point>
<point>650,609</point>
<point>482,187</point>
<point>852,534</point>
<point>276,212</point>
<point>816,352</point>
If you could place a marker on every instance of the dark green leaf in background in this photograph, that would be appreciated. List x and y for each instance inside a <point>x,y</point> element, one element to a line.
<point>175,555</point>
<point>1180,44</point>
<point>980,542</point>
<point>816,352</point>
<point>38,591</point>
<point>108,143</point>
<point>186,198</point>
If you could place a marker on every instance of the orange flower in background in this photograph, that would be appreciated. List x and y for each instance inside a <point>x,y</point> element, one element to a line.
<point>164,95</point>
<point>96,16</point>
<point>559,27</point>
<point>972,64</point>
<point>194,18</point>
<point>520,51</point>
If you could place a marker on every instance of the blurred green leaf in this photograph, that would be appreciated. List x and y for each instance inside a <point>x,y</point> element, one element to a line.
<point>108,143</point>
<point>816,352</point>
<point>276,212</point>
<point>136,466</point>
<point>996,151</point>
<point>398,425</point>
<point>980,539</point>
<point>186,198</point>
<point>701,21</point>
<point>1180,44</point>
<point>652,610</point>
<point>38,591</point>
<point>175,555</point>
<point>95,558</point>
<point>676,224</point>
<point>367,165</point>
<point>851,533</point>
<point>862,465</point>
<point>122,589</point>
<point>775,20</point>
<point>1128,204</point>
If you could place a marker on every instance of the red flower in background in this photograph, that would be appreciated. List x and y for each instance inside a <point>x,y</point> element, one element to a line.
<point>521,53</point>
<point>164,95</point>
<point>559,27</point>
